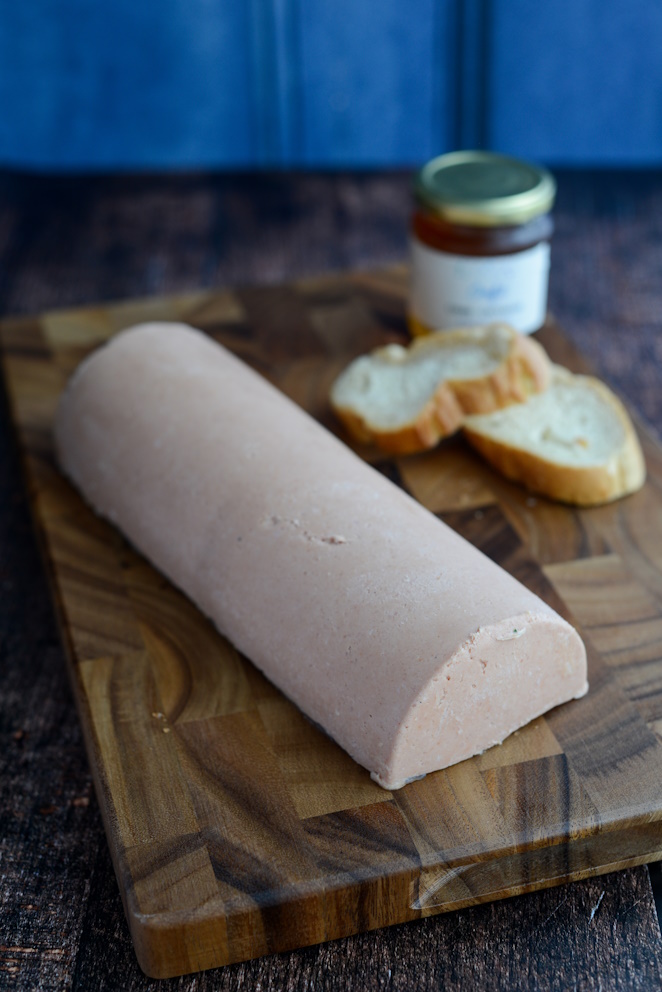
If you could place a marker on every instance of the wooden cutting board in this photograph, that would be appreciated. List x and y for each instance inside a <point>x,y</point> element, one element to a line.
<point>238,829</point>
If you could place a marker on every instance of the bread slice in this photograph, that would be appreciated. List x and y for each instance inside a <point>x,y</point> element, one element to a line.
<point>574,443</point>
<point>407,399</point>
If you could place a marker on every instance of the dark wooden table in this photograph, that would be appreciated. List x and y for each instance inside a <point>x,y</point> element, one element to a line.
<point>73,240</point>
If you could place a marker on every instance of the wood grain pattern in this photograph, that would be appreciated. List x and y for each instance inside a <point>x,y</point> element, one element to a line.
<point>236,828</point>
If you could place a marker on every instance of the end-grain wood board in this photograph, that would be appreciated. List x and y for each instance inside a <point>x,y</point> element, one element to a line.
<point>236,827</point>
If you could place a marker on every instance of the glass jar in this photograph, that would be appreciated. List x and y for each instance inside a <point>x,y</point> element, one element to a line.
<point>480,243</point>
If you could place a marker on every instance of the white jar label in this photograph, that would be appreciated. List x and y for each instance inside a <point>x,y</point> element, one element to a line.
<point>461,291</point>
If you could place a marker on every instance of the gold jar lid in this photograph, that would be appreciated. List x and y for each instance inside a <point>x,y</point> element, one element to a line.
<point>483,189</point>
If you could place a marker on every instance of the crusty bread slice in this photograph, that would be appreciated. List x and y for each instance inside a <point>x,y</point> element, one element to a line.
<point>407,399</point>
<point>574,443</point>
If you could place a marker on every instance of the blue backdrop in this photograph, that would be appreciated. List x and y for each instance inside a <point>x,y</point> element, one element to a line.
<point>98,84</point>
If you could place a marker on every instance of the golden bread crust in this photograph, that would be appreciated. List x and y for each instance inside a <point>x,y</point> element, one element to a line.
<point>623,473</point>
<point>524,371</point>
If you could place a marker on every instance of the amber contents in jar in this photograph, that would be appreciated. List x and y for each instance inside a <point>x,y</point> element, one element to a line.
<point>483,241</point>
<point>480,243</point>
